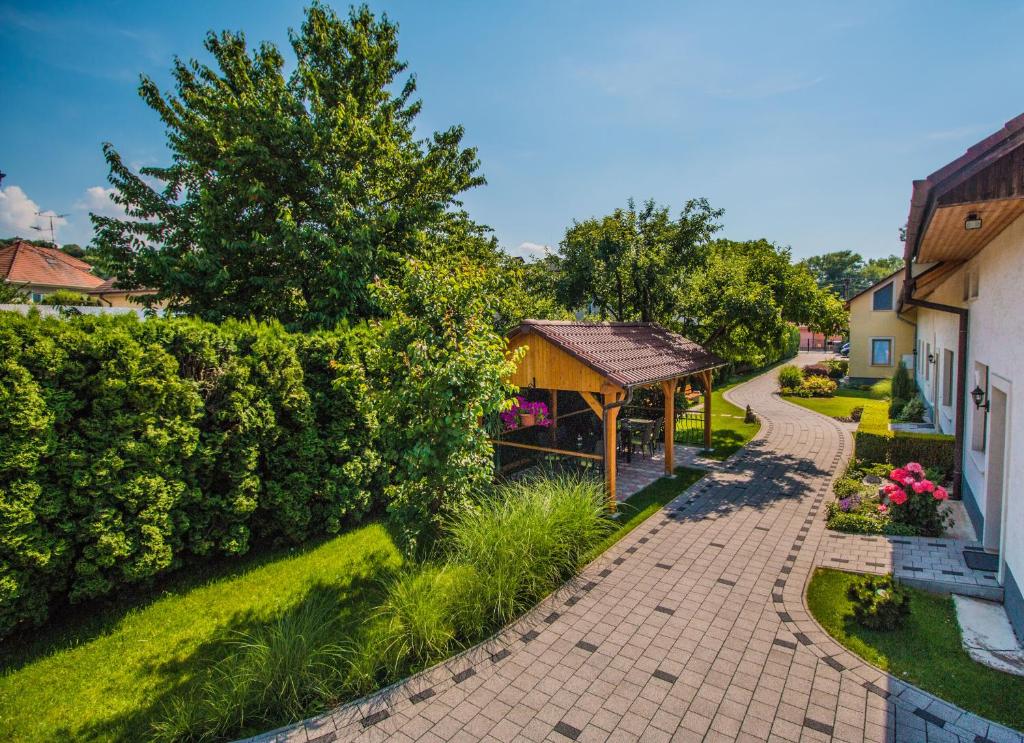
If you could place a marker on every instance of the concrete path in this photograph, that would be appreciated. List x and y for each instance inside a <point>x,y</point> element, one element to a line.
<point>691,628</point>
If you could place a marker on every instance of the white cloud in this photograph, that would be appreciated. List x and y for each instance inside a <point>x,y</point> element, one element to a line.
<point>18,215</point>
<point>531,250</point>
<point>97,200</point>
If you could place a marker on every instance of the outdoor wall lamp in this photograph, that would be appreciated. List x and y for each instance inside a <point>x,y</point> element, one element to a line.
<point>932,358</point>
<point>973,222</point>
<point>978,395</point>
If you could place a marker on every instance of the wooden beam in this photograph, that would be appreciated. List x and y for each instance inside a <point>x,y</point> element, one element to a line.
<point>706,376</point>
<point>610,416</point>
<point>548,449</point>
<point>591,399</point>
<point>668,387</point>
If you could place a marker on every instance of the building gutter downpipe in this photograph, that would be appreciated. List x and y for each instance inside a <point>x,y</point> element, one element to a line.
<point>961,373</point>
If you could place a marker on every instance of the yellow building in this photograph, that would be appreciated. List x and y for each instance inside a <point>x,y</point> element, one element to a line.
<point>879,337</point>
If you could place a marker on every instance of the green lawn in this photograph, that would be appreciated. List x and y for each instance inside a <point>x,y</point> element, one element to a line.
<point>926,651</point>
<point>728,431</point>
<point>109,675</point>
<point>839,406</point>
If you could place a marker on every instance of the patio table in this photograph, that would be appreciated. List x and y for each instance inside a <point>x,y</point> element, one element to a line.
<point>631,425</point>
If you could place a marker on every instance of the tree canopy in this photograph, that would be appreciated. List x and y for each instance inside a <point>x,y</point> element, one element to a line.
<point>737,298</point>
<point>846,273</point>
<point>286,196</point>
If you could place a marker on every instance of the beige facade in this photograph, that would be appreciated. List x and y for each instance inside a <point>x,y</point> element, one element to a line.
<point>879,338</point>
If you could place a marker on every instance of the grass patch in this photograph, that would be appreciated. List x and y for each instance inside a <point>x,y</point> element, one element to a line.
<point>841,405</point>
<point>729,432</point>
<point>643,504</point>
<point>926,651</point>
<point>113,674</point>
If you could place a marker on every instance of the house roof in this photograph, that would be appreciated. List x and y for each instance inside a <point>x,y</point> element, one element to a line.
<point>626,353</point>
<point>881,281</point>
<point>977,157</point>
<point>24,263</point>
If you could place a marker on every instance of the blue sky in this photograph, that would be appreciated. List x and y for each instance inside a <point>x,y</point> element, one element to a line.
<point>806,122</point>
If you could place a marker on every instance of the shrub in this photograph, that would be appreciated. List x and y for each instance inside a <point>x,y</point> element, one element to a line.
<point>912,411</point>
<point>526,539</point>
<point>815,370</point>
<point>896,405</point>
<point>790,378</point>
<point>903,386</point>
<point>847,486</point>
<point>853,522</point>
<point>816,386</point>
<point>837,368</point>
<point>915,500</point>
<point>874,442</point>
<point>879,603</point>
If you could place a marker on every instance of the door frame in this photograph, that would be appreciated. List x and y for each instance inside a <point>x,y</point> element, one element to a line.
<point>1003,386</point>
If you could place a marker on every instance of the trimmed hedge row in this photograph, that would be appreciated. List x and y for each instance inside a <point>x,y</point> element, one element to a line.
<point>129,448</point>
<point>874,442</point>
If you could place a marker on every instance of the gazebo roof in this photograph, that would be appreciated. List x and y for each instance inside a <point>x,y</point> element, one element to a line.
<point>629,354</point>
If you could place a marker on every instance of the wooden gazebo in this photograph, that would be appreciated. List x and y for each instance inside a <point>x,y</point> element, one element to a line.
<point>604,363</point>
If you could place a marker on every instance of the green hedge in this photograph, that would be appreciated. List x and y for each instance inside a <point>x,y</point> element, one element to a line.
<point>129,448</point>
<point>874,442</point>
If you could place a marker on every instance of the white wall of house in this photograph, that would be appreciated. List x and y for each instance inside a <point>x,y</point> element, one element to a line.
<point>993,283</point>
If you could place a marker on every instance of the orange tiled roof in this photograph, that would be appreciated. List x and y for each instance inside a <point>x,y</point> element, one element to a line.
<point>24,263</point>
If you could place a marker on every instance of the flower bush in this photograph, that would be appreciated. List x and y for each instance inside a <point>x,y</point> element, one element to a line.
<point>815,370</point>
<point>512,418</point>
<point>862,507</point>
<point>815,386</point>
<point>813,381</point>
<point>914,500</point>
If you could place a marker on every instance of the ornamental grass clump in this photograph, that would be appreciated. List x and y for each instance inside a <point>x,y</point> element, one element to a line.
<point>526,539</point>
<point>914,500</point>
<point>879,603</point>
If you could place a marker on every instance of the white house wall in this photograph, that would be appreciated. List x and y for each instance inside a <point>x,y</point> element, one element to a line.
<point>995,339</point>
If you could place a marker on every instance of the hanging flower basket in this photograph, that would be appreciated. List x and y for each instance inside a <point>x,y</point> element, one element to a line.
<point>524,413</point>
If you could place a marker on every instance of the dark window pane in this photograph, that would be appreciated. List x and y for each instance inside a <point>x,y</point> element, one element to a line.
<point>882,298</point>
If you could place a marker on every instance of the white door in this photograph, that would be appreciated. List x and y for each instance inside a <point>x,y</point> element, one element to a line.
<point>995,481</point>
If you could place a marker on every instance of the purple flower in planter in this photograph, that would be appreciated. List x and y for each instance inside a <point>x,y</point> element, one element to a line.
<point>849,504</point>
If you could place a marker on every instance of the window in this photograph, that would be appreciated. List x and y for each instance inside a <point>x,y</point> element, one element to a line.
<point>881,351</point>
<point>882,298</point>
<point>37,297</point>
<point>979,414</point>
<point>947,377</point>
<point>971,283</point>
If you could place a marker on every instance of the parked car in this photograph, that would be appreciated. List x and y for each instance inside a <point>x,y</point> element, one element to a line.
<point>844,350</point>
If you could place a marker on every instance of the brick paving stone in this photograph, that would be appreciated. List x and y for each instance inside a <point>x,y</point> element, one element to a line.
<point>693,626</point>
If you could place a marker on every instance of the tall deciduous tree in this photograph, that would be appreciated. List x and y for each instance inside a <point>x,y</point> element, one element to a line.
<point>629,264</point>
<point>287,195</point>
<point>846,273</point>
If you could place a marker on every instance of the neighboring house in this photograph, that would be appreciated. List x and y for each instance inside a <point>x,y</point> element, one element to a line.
<point>40,271</point>
<point>811,341</point>
<point>110,294</point>
<point>879,337</point>
<point>965,290</point>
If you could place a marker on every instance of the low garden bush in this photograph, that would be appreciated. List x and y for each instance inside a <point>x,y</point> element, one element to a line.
<point>790,378</point>
<point>911,411</point>
<point>815,370</point>
<point>816,386</point>
<point>879,603</point>
<point>837,368</point>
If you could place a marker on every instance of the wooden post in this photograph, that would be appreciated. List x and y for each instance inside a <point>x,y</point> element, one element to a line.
<point>669,388</point>
<point>608,419</point>
<point>707,410</point>
<point>554,413</point>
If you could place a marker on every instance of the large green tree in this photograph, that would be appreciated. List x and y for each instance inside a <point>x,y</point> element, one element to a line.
<point>629,265</point>
<point>846,273</point>
<point>741,302</point>
<point>287,195</point>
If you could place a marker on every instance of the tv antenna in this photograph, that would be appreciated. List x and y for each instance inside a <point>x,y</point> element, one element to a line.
<point>51,216</point>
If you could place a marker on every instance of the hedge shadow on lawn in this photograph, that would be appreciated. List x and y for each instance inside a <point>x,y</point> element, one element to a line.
<point>77,624</point>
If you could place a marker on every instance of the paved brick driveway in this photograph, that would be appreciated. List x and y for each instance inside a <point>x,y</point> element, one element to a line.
<point>693,627</point>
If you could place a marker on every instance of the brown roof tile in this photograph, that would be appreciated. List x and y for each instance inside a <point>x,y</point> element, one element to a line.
<point>24,263</point>
<point>626,353</point>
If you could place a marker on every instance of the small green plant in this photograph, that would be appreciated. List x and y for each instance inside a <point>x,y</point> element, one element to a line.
<point>853,522</point>
<point>837,368</point>
<point>815,370</point>
<point>896,405</point>
<point>790,378</point>
<point>912,411</point>
<point>879,603</point>
<point>68,298</point>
